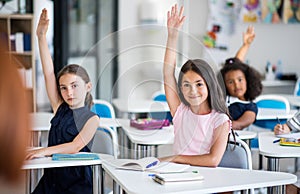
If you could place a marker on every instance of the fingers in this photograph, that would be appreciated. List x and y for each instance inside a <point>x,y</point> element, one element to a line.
<point>174,12</point>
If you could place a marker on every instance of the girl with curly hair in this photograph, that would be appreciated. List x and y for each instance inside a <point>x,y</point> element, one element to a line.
<point>243,85</point>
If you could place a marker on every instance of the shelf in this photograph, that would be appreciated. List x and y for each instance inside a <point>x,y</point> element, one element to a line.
<point>16,31</point>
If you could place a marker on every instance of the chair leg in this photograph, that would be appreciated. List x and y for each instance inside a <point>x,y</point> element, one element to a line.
<point>260,162</point>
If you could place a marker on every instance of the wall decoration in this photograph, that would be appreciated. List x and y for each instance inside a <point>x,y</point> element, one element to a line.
<point>291,11</point>
<point>221,23</point>
<point>271,11</point>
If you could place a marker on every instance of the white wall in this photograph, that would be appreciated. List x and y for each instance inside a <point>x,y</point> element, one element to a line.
<point>273,42</point>
<point>141,50</point>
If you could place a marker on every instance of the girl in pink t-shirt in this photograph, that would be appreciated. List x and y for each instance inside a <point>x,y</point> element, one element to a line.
<point>200,114</point>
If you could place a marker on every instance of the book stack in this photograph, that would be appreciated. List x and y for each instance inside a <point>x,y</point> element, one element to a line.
<point>20,42</point>
<point>166,178</point>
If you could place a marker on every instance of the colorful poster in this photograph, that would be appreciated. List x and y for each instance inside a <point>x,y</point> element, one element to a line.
<point>291,11</point>
<point>221,23</point>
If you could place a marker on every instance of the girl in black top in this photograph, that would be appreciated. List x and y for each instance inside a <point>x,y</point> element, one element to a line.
<point>73,125</point>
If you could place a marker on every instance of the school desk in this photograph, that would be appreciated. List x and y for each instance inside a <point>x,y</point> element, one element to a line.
<point>273,151</point>
<point>136,106</point>
<point>40,124</point>
<point>144,141</point>
<point>47,162</point>
<point>215,180</point>
<point>273,114</point>
<point>293,100</point>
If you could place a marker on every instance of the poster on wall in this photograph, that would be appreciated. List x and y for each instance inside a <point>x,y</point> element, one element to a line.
<point>221,23</point>
<point>291,11</point>
<point>270,11</point>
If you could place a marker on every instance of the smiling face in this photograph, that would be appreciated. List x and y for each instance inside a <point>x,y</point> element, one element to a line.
<point>236,83</point>
<point>194,89</point>
<point>73,90</point>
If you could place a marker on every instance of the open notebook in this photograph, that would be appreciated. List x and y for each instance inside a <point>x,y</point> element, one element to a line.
<point>150,164</point>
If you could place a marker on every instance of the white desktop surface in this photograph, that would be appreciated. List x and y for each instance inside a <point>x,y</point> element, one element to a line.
<point>140,106</point>
<point>293,100</point>
<point>246,135</point>
<point>47,162</point>
<point>215,180</point>
<point>269,149</point>
<point>272,114</point>
<point>110,122</point>
<point>148,137</point>
<point>41,121</point>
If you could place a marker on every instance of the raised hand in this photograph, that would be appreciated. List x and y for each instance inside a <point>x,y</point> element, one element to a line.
<point>249,35</point>
<point>175,20</point>
<point>43,24</point>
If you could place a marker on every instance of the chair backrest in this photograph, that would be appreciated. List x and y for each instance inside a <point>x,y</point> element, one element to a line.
<point>237,155</point>
<point>161,97</point>
<point>297,88</point>
<point>105,141</point>
<point>273,101</point>
<point>103,109</point>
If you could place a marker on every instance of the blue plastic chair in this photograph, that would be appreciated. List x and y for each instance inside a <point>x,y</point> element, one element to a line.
<point>269,101</point>
<point>103,109</point>
<point>161,97</point>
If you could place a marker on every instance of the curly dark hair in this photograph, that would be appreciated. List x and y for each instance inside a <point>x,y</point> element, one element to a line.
<point>253,77</point>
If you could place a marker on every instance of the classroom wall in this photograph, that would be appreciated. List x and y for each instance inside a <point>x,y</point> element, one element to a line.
<point>273,42</point>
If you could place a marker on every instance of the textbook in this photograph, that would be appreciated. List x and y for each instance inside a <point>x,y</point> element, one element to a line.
<point>78,156</point>
<point>165,178</point>
<point>150,164</point>
<point>289,142</point>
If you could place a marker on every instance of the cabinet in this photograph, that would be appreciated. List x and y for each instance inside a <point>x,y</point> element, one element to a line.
<point>16,32</point>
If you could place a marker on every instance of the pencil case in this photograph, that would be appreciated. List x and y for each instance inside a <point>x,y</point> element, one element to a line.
<point>149,123</point>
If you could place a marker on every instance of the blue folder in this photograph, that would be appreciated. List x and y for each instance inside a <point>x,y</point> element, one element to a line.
<point>79,156</point>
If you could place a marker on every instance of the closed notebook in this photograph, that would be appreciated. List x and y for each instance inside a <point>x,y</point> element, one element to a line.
<point>166,178</point>
<point>289,142</point>
<point>78,156</point>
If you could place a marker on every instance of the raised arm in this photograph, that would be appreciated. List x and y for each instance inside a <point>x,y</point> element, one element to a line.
<point>248,38</point>
<point>46,60</point>
<point>175,21</point>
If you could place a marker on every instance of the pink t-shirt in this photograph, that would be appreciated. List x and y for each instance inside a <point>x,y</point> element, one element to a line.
<point>194,133</point>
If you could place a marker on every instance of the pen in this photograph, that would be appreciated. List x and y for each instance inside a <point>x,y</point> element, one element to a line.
<point>276,141</point>
<point>278,121</point>
<point>152,164</point>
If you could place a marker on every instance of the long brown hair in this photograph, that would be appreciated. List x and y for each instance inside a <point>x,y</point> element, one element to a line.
<point>216,95</point>
<point>81,72</point>
<point>14,119</point>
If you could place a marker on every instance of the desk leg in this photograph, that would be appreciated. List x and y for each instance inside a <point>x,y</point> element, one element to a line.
<point>273,165</point>
<point>28,182</point>
<point>97,179</point>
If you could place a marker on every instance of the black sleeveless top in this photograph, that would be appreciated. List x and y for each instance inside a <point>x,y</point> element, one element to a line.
<point>65,126</point>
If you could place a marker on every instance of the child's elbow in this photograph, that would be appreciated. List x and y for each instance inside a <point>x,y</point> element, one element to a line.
<point>215,161</point>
